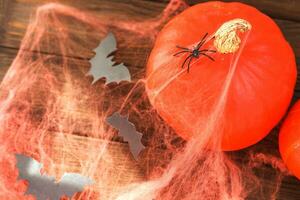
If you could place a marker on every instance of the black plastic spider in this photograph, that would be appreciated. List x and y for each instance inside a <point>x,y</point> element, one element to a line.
<point>195,52</point>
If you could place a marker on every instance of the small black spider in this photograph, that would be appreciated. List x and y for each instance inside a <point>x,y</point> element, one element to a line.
<point>195,52</point>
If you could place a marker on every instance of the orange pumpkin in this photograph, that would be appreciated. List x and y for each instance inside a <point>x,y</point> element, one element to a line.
<point>289,140</point>
<point>260,89</point>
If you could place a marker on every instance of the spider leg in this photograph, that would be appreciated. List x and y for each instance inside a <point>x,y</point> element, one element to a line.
<point>186,60</point>
<point>180,52</point>
<point>207,50</point>
<point>184,48</point>
<point>201,41</point>
<point>207,56</point>
<point>189,64</point>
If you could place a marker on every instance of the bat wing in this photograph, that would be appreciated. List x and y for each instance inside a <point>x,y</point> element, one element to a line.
<point>44,187</point>
<point>118,73</point>
<point>128,131</point>
<point>39,185</point>
<point>103,66</point>
<point>28,167</point>
<point>135,144</point>
<point>106,46</point>
<point>71,183</point>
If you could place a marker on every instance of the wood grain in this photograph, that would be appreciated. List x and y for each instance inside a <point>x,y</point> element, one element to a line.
<point>15,16</point>
<point>291,31</point>
<point>18,16</point>
<point>283,9</point>
<point>110,164</point>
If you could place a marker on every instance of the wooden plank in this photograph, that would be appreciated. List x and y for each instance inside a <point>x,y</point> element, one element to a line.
<point>109,164</point>
<point>19,13</point>
<point>6,58</point>
<point>134,54</point>
<point>283,9</point>
<point>4,6</point>
<point>288,189</point>
<point>134,57</point>
<point>291,31</point>
<point>297,87</point>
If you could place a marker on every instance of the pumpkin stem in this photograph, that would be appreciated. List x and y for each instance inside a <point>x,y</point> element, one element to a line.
<point>226,37</point>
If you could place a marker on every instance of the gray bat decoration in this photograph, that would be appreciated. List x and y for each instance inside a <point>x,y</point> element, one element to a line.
<point>128,131</point>
<point>103,66</point>
<point>44,187</point>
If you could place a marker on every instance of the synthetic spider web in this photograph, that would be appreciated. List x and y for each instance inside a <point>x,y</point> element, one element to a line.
<point>47,100</point>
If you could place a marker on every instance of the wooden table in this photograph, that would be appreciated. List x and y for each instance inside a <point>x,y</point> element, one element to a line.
<point>14,18</point>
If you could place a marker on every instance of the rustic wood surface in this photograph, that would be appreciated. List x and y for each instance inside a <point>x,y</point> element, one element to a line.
<point>115,166</point>
<point>283,9</point>
<point>14,18</point>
